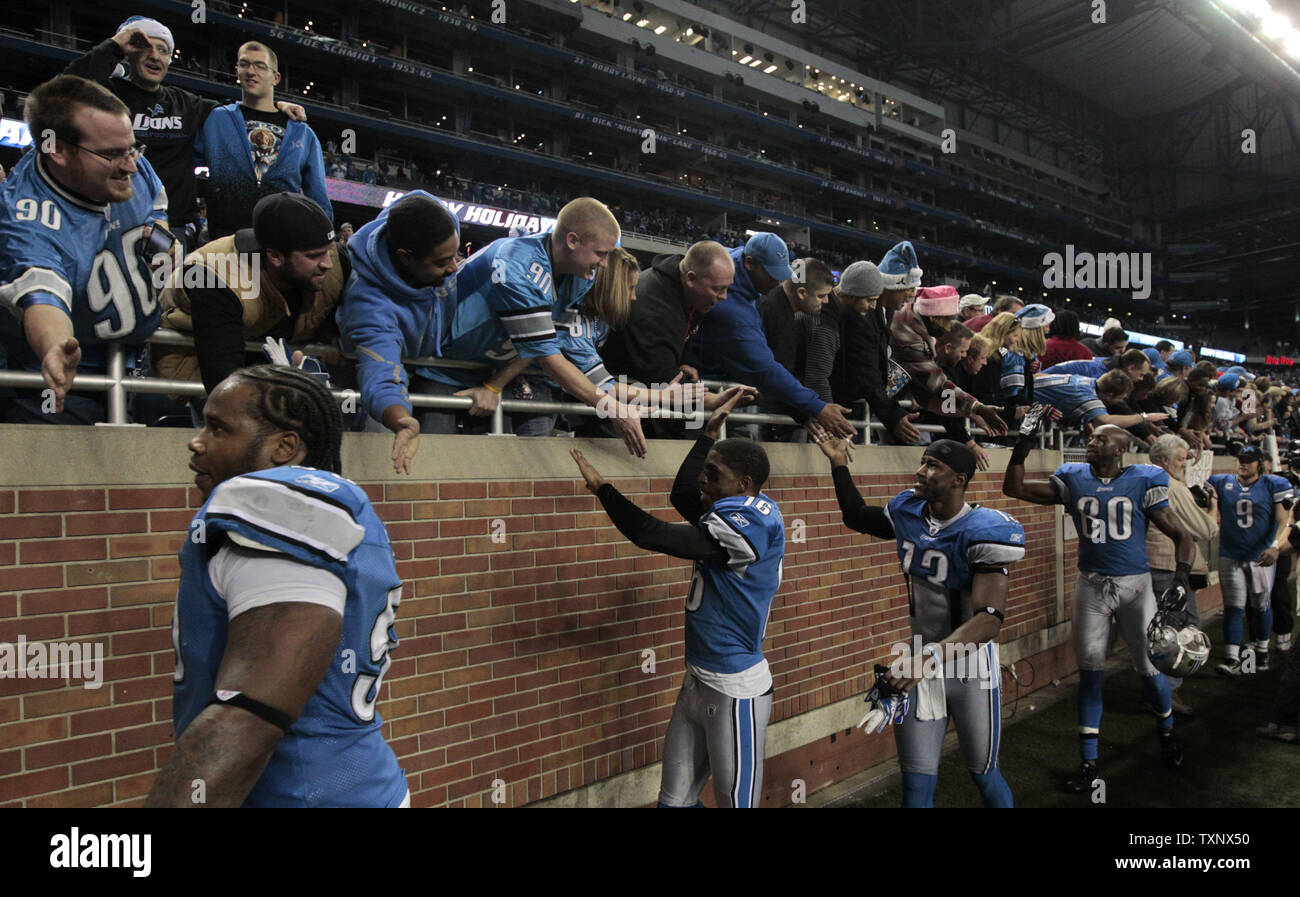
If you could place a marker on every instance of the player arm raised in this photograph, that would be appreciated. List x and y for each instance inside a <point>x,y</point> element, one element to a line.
<point>856,513</point>
<point>1014,484</point>
<point>685,495</point>
<point>276,655</point>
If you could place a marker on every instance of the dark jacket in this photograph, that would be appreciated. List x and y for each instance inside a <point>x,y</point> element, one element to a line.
<point>859,371</point>
<point>165,120</point>
<point>649,348</point>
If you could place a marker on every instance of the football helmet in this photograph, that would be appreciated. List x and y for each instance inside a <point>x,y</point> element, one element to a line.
<point>1175,646</point>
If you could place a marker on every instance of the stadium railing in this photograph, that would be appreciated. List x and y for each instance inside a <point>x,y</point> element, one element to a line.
<point>119,383</point>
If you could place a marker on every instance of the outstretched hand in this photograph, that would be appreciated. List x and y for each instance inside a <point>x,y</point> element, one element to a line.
<point>406,442</point>
<point>589,473</point>
<point>729,398</point>
<point>839,451</point>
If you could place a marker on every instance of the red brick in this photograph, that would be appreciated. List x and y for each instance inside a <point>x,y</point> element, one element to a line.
<point>8,606</point>
<point>509,488</point>
<point>462,490</point>
<point>33,629</point>
<point>533,506</point>
<point>112,767</point>
<point>153,497</point>
<point>142,689</point>
<point>34,578</point>
<point>393,511</point>
<point>6,501</point>
<point>90,796</point>
<point>32,526</point>
<point>29,783</point>
<point>108,621</point>
<point>436,510</point>
<point>102,524</point>
<point>33,732</point>
<point>34,501</point>
<point>10,762</point>
<point>64,600</point>
<point>55,550</point>
<point>145,545</point>
<point>164,568</point>
<point>112,718</point>
<point>142,593</point>
<point>8,554</point>
<point>69,751</point>
<point>108,571</point>
<point>144,737</point>
<point>166,522</point>
<point>68,698</point>
<point>410,491</point>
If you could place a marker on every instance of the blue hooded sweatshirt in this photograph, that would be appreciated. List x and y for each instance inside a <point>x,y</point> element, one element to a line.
<point>730,345</point>
<point>385,319</point>
<point>233,189</point>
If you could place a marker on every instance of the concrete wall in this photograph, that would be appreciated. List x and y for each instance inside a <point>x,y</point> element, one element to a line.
<point>521,660</point>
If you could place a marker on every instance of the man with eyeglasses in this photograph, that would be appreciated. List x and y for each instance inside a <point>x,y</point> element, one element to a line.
<point>76,218</point>
<point>253,150</point>
<point>133,64</point>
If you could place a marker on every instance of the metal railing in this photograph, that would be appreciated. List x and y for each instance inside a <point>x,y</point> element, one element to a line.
<point>118,383</point>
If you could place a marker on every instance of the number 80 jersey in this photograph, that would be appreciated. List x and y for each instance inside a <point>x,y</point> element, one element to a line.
<point>80,256</point>
<point>1111,516</point>
<point>335,753</point>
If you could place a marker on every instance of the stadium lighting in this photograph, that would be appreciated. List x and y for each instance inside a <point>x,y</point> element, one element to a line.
<point>1275,25</point>
<point>1256,8</point>
<point>627,16</point>
<point>641,23</point>
<point>690,31</point>
<point>756,63</point>
<point>1292,45</point>
<point>745,61</point>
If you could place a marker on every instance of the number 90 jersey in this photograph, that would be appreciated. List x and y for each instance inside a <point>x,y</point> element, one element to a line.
<point>335,753</point>
<point>939,560</point>
<point>728,605</point>
<point>80,256</point>
<point>1111,515</point>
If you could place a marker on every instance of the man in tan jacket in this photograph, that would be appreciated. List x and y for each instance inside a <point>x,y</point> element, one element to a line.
<point>281,278</point>
<point>1170,453</point>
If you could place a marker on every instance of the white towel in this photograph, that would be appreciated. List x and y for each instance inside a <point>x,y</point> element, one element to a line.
<point>931,699</point>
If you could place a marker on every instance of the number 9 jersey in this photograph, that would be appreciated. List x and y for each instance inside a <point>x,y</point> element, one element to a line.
<point>83,257</point>
<point>939,558</point>
<point>335,753</point>
<point>1111,515</point>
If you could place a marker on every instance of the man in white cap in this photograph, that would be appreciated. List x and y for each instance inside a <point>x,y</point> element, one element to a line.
<point>912,334</point>
<point>972,306</point>
<point>132,64</point>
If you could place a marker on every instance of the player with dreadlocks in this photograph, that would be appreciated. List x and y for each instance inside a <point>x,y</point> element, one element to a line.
<point>284,617</point>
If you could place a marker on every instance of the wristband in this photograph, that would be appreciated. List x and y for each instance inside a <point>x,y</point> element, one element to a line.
<point>992,610</point>
<point>1024,445</point>
<point>277,718</point>
<point>490,388</point>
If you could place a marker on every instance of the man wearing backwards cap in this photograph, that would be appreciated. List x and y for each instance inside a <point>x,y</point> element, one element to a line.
<point>955,557</point>
<point>912,334</point>
<point>281,278</point>
<point>1251,533</point>
<point>132,64</point>
<point>972,306</point>
<point>730,344</point>
<point>1111,506</point>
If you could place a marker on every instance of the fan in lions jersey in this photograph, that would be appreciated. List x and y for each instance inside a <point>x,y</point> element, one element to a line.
<point>1111,506</point>
<point>736,538</point>
<point>284,617</point>
<point>955,557</point>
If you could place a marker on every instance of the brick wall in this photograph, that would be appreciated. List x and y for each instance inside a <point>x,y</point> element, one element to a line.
<point>520,660</point>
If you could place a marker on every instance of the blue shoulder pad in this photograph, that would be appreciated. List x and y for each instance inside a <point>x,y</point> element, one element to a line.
<point>996,538</point>
<point>310,515</point>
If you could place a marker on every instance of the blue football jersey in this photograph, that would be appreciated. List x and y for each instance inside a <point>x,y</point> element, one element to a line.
<point>580,339</point>
<point>80,256</point>
<point>1012,382</point>
<point>728,604</point>
<point>335,753</point>
<point>1072,395</point>
<point>1111,516</point>
<point>506,302</point>
<point>1092,368</point>
<point>1247,513</point>
<point>938,559</point>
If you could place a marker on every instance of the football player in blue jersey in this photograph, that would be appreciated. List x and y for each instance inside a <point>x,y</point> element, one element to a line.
<point>737,540</point>
<point>1253,528</point>
<point>1111,506</point>
<point>76,217</point>
<point>284,617</point>
<point>955,557</point>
